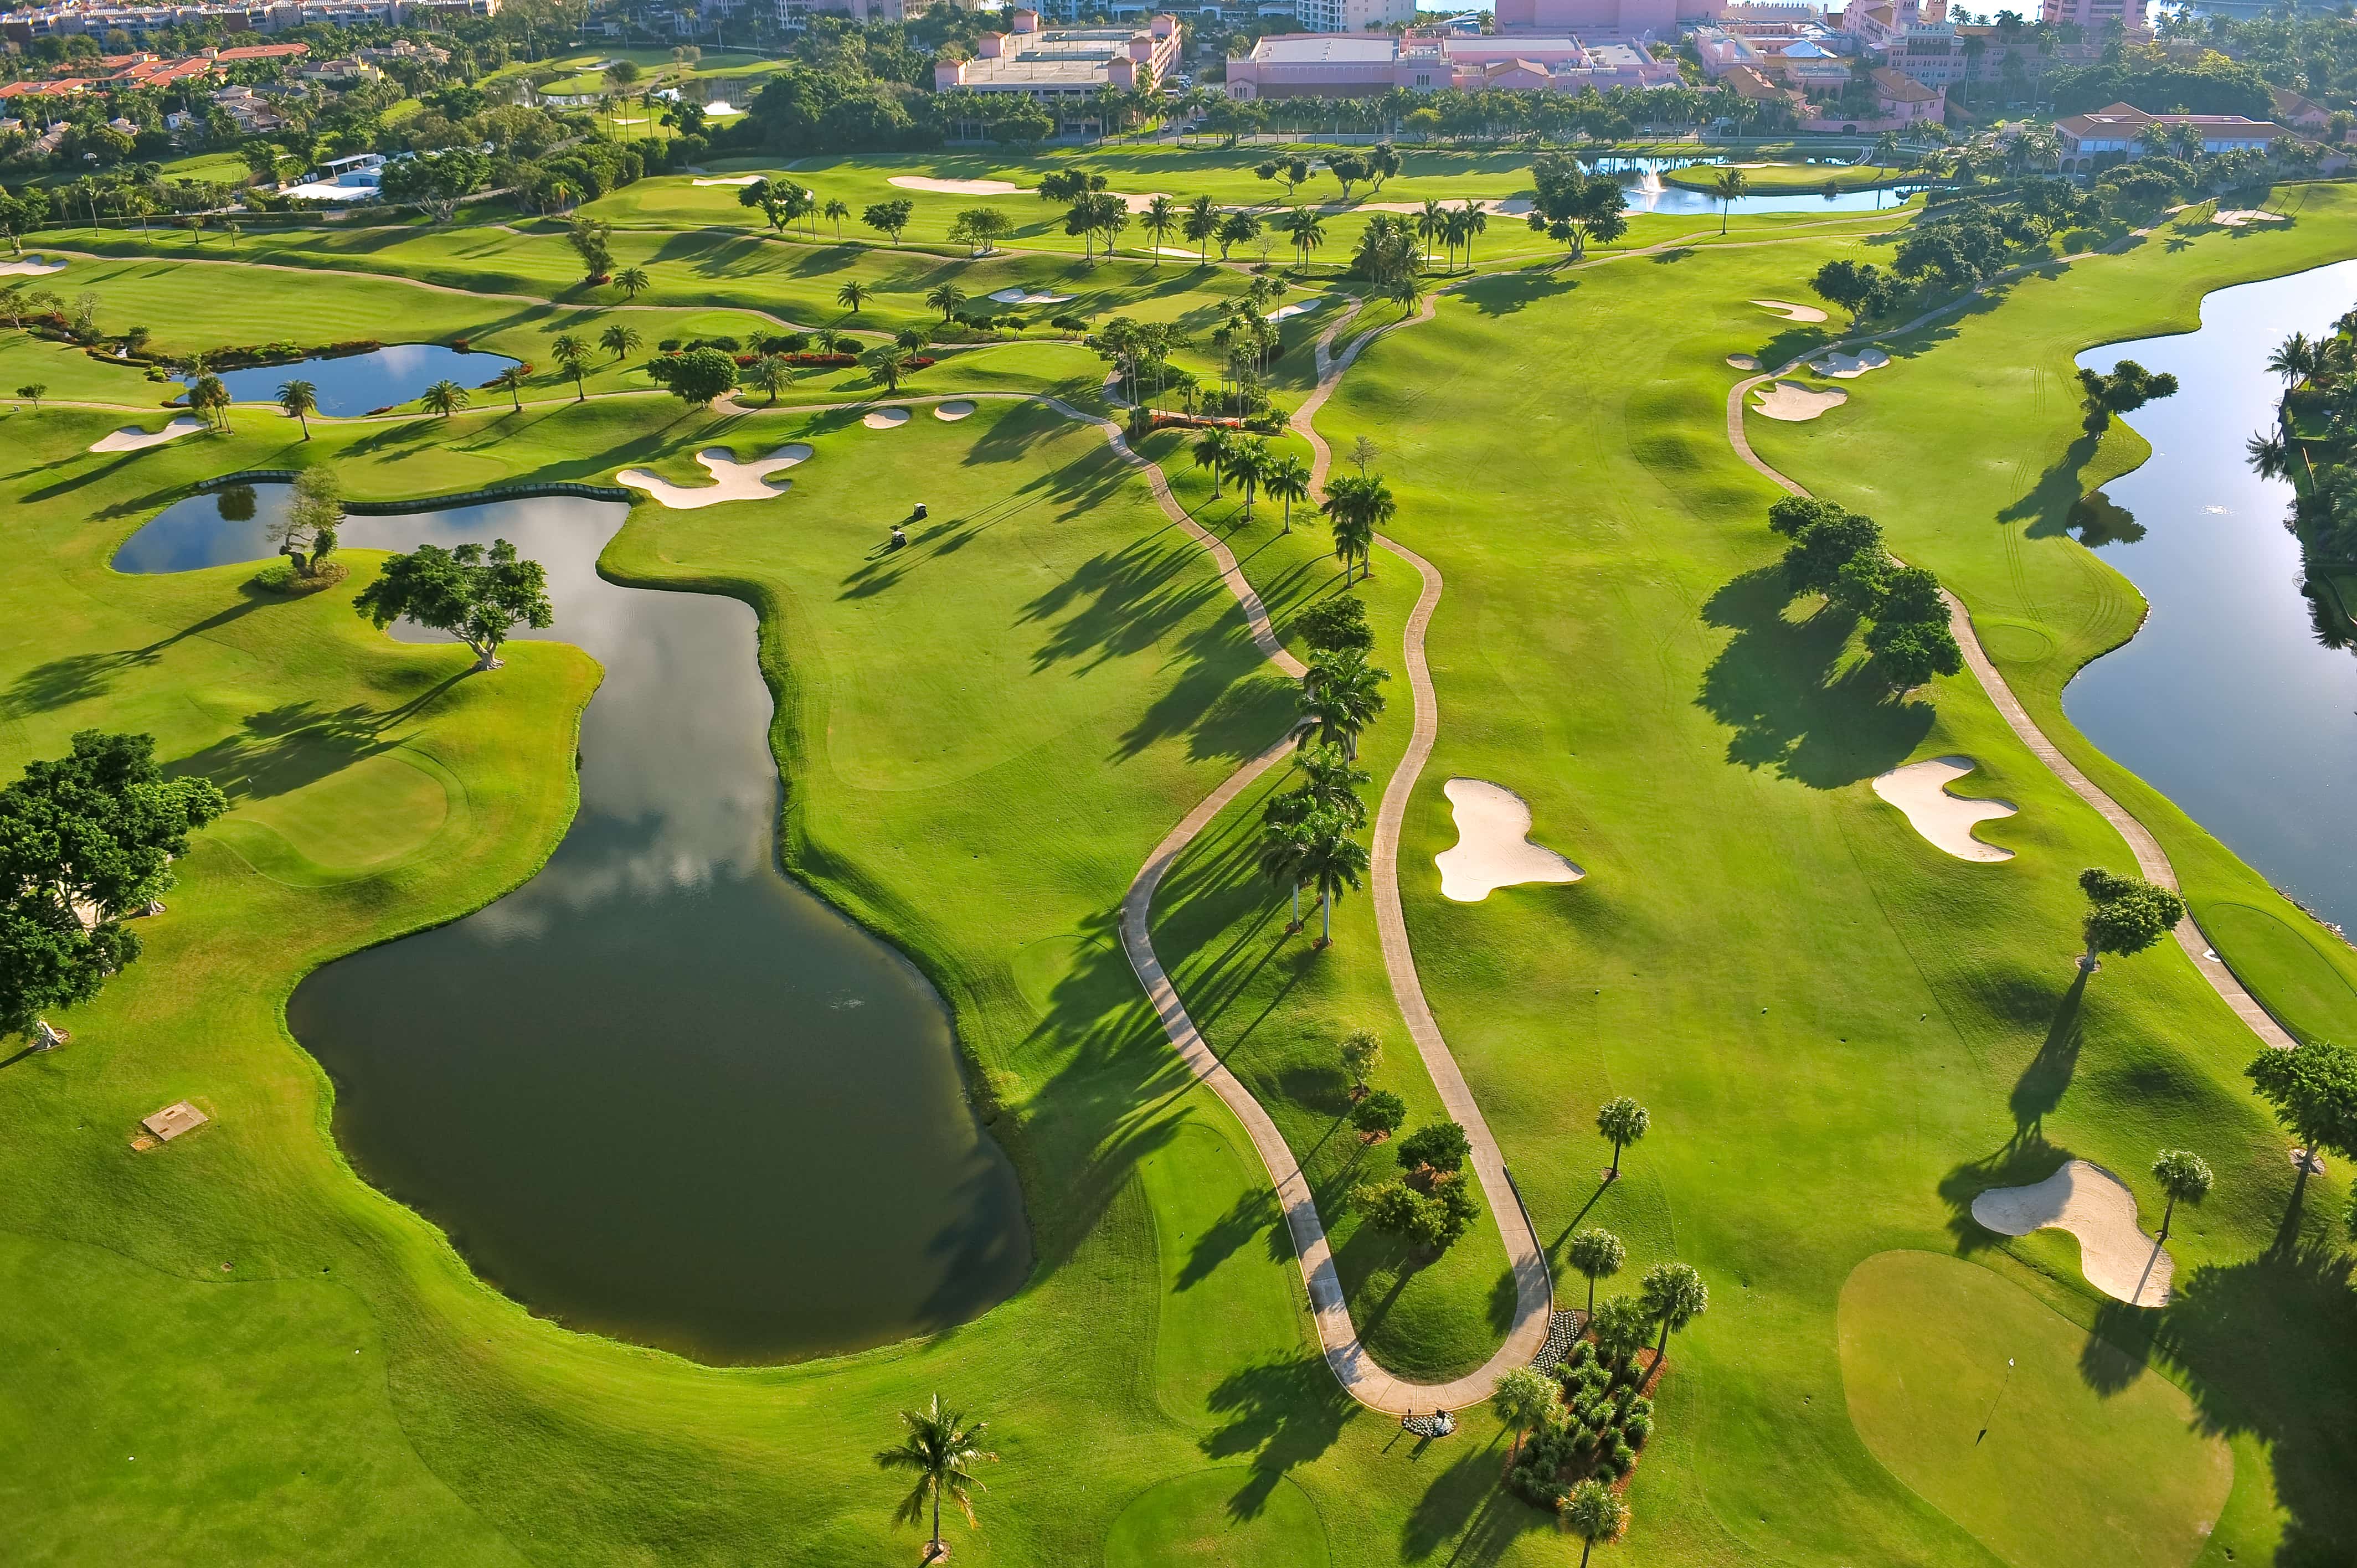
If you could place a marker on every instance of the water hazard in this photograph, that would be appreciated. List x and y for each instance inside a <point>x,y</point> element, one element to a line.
<point>660,1091</point>
<point>2226,701</point>
<point>358,384</point>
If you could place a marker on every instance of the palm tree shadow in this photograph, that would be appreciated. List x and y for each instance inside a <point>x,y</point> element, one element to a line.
<point>1280,1414</point>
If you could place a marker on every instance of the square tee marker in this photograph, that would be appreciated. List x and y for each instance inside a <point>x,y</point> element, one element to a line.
<point>174,1119</point>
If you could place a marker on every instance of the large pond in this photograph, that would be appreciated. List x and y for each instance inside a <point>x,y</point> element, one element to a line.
<point>2225,700</point>
<point>661,1090</point>
<point>360,383</point>
<point>1648,192</point>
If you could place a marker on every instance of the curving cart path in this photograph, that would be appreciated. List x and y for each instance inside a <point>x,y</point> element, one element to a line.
<point>2152,860</point>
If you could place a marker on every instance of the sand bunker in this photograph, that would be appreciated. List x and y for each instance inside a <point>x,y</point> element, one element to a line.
<point>1793,400</point>
<point>735,179</point>
<point>1920,790</point>
<point>2091,1203</point>
<point>957,186</point>
<point>130,438</point>
<point>885,418</point>
<point>1172,251</point>
<point>1848,367</point>
<point>1790,311</point>
<point>31,264</point>
<point>732,480</point>
<point>1493,848</point>
<point>954,410</point>
<point>1024,297</point>
<point>2238,217</point>
<point>1286,312</point>
<point>1743,362</point>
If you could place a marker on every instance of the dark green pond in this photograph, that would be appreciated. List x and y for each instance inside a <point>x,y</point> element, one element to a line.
<point>660,1091</point>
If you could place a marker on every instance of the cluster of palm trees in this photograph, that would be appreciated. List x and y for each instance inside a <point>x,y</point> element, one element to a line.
<point>572,354</point>
<point>1309,832</point>
<point>1453,228</point>
<point>1251,463</point>
<point>785,202</point>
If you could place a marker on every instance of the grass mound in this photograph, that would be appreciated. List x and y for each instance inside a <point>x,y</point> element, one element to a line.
<point>2076,1454</point>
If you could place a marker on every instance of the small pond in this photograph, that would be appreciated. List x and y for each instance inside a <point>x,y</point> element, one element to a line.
<point>357,383</point>
<point>661,1090</point>
<point>1649,192</point>
<point>2226,701</point>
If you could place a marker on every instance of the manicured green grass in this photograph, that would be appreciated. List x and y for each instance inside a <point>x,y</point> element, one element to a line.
<point>1193,1518</point>
<point>2052,1448</point>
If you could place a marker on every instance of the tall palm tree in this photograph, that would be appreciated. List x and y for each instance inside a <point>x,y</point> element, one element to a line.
<point>1624,1122</point>
<point>1432,223</point>
<point>1523,1399</point>
<point>1160,217</point>
<point>1357,506</point>
<point>511,381</point>
<point>633,282</point>
<point>208,395</point>
<point>771,374</point>
<point>301,401</point>
<point>572,357</point>
<point>2183,1175</point>
<point>1332,862</point>
<point>1308,230</point>
<point>1730,184</point>
<point>620,340</point>
<point>1594,1512</point>
<point>1341,694</point>
<point>2295,360</point>
<point>837,209</point>
<point>1249,463</point>
<point>1202,226</point>
<point>942,1450</point>
<point>1287,480</point>
<point>1329,782</point>
<point>1599,1254</point>
<point>946,299</point>
<point>1477,222</point>
<point>446,398</point>
<point>1214,450</point>
<point>853,295</point>
<point>1285,850</point>
<point>1675,1296</point>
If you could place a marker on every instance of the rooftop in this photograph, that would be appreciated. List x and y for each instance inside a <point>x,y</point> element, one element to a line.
<point>1314,48</point>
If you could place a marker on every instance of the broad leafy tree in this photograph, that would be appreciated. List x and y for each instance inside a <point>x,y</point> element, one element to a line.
<point>475,596</point>
<point>85,839</point>
<point>1362,1052</point>
<point>1379,1112</point>
<point>696,377</point>
<point>2125,914</point>
<point>2313,1089</point>
<point>1436,1146</point>
<point>314,510</point>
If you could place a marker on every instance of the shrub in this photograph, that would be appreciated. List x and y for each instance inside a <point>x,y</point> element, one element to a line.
<point>1621,1457</point>
<point>1636,1429</point>
<point>1642,1406</point>
<point>669,345</point>
<point>1069,323</point>
<point>1583,1355</point>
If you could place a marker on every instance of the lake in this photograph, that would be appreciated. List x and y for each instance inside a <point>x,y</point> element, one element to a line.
<point>2226,701</point>
<point>349,384</point>
<point>660,1091</point>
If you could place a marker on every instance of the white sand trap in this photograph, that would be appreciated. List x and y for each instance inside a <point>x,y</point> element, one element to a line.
<point>1849,367</point>
<point>130,438</point>
<point>2091,1203</point>
<point>1493,845</point>
<point>1790,311</point>
<point>735,179</point>
<point>2238,217</point>
<point>1920,789</point>
<point>1743,362</point>
<point>1024,297</point>
<point>1793,400</point>
<point>953,410</point>
<point>956,187</point>
<point>1173,250</point>
<point>732,480</point>
<point>31,264</point>
<point>885,418</point>
<point>1286,312</point>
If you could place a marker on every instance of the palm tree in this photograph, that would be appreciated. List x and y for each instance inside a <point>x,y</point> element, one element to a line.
<point>1285,850</point>
<point>946,299</point>
<point>446,398</point>
<point>1287,479</point>
<point>852,293</point>
<point>2182,1173</point>
<point>836,211</point>
<point>1331,862</point>
<point>572,357</point>
<point>1730,184</point>
<point>1594,1512</point>
<point>940,1449</point>
<point>512,381</point>
<point>1523,1399</point>
<point>1477,222</point>
<point>620,340</point>
<point>301,401</point>
<point>1357,506</point>
<point>887,362</point>
<point>2270,457</point>
<point>1432,223</point>
<point>1599,1254</point>
<point>1249,463</point>
<point>1160,217</point>
<point>1214,450</point>
<point>1624,1122</point>
<point>1620,1328</point>
<point>771,374</point>
<point>633,282</point>
<point>1341,694</point>
<point>1674,1293</point>
<point>208,395</point>
<point>2295,360</point>
<point>1202,225</point>
<point>1308,231</point>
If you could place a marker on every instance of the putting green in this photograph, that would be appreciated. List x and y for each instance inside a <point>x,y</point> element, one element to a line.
<point>2078,1457</point>
<point>1218,1515</point>
<point>348,824</point>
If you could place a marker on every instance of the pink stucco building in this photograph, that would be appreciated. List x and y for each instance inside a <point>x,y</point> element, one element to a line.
<point>1344,65</point>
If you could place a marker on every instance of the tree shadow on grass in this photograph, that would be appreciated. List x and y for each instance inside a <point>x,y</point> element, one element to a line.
<point>1466,1504</point>
<point>2021,1162</point>
<point>2047,1078</point>
<point>1279,1414</point>
<point>2051,506</point>
<point>282,749</point>
<point>2262,1346</point>
<point>1503,293</point>
<point>1796,708</point>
